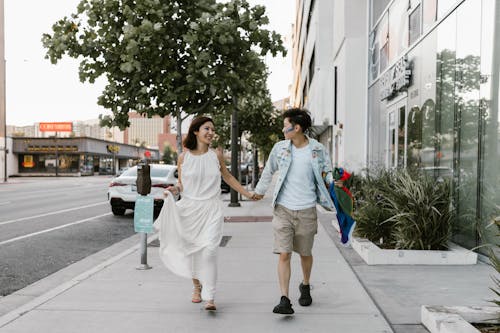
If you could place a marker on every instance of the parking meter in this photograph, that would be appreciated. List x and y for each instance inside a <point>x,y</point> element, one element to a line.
<point>143,181</point>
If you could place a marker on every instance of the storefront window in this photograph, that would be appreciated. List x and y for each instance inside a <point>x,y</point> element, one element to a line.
<point>86,165</point>
<point>376,128</point>
<point>467,120</point>
<point>428,153</point>
<point>68,163</point>
<point>490,123</point>
<point>401,136</point>
<point>445,95</point>
<point>414,140</point>
<point>106,166</point>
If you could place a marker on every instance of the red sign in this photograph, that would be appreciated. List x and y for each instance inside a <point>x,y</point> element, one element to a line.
<point>56,127</point>
<point>147,154</point>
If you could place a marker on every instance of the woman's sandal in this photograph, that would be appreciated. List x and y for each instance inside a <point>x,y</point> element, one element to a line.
<point>196,298</point>
<point>210,306</point>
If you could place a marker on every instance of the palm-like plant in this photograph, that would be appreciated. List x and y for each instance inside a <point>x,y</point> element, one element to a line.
<point>495,262</point>
<point>405,209</point>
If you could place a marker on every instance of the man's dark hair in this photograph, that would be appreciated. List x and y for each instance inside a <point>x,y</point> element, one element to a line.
<point>297,116</point>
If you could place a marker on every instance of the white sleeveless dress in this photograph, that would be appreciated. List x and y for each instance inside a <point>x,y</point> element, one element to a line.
<point>191,228</point>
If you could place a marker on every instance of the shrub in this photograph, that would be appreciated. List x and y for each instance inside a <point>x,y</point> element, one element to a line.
<point>405,209</point>
<point>371,213</point>
<point>495,262</point>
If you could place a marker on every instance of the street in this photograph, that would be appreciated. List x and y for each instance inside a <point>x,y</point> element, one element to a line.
<point>49,223</point>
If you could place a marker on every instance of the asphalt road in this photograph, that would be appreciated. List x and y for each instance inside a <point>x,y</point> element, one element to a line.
<point>49,223</point>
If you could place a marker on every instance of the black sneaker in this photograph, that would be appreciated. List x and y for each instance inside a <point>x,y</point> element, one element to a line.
<point>305,295</point>
<point>285,307</point>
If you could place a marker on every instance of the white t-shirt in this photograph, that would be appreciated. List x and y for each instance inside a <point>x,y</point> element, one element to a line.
<point>299,190</point>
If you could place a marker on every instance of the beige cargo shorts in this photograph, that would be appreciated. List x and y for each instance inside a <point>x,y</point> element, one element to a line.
<point>294,230</point>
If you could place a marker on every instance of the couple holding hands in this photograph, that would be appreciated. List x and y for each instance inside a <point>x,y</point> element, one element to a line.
<point>191,228</point>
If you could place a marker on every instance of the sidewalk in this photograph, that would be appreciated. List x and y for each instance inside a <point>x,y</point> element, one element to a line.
<point>115,297</point>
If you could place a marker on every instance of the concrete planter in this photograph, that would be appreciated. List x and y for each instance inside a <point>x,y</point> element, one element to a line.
<point>374,255</point>
<point>457,319</point>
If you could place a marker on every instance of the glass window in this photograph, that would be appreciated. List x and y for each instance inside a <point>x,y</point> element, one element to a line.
<point>401,136</point>
<point>467,120</point>
<point>311,67</point>
<point>445,94</point>
<point>415,24</point>
<point>490,124</point>
<point>383,42</point>
<point>414,140</point>
<point>376,128</point>
<point>444,6</point>
<point>377,7</point>
<point>398,28</point>
<point>429,14</point>
<point>374,56</point>
<point>428,117</point>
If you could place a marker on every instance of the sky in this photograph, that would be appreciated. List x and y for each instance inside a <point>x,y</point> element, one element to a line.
<point>38,91</point>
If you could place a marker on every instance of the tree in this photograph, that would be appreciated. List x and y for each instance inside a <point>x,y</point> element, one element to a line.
<point>164,57</point>
<point>169,155</point>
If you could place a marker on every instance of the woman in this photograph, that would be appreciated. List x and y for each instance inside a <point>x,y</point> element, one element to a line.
<point>191,228</point>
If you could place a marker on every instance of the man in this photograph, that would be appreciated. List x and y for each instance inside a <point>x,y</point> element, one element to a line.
<point>304,172</point>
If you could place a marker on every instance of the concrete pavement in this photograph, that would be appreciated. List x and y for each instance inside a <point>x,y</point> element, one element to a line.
<point>348,295</point>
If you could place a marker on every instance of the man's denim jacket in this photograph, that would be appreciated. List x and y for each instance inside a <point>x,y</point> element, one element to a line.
<point>280,159</point>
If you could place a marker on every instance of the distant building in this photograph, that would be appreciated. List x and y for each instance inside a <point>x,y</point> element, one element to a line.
<point>282,104</point>
<point>149,132</point>
<point>86,128</point>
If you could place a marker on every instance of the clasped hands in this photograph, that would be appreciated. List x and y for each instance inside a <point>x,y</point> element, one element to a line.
<point>256,197</point>
<point>174,189</point>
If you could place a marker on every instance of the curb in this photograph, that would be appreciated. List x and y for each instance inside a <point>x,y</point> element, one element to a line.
<point>47,296</point>
<point>445,319</point>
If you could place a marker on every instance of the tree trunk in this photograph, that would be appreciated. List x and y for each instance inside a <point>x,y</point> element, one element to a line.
<point>179,132</point>
<point>234,152</point>
<point>255,167</point>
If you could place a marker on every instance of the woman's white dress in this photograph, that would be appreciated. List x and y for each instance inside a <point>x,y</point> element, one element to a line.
<point>191,228</point>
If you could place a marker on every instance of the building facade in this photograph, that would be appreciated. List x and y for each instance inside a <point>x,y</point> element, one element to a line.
<point>329,66</point>
<point>73,156</point>
<point>433,100</point>
<point>419,88</point>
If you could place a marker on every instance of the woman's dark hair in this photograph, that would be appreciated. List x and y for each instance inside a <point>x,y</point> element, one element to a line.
<point>190,139</point>
<point>300,117</point>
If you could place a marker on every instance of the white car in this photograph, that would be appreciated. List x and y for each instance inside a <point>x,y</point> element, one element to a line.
<point>122,191</point>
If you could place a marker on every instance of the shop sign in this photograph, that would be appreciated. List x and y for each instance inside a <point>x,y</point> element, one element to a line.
<point>56,127</point>
<point>46,149</point>
<point>113,148</point>
<point>396,79</point>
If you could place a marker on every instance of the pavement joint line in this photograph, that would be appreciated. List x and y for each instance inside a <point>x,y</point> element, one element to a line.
<point>52,229</point>
<point>52,213</point>
<point>42,299</point>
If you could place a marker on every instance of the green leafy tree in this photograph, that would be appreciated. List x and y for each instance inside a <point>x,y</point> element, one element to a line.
<point>164,57</point>
<point>169,155</point>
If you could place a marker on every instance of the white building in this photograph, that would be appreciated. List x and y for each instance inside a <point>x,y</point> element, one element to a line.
<point>330,76</point>
<point>408,84</point>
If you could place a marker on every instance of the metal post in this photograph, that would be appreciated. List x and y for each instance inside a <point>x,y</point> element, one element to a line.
<point>144,252</point>
<point>3,110</point>
<point>234,152</point>
<point>57,154</point>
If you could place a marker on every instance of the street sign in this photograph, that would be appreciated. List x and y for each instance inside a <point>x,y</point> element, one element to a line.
<point>143,214</point>
<point>56,127</point>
